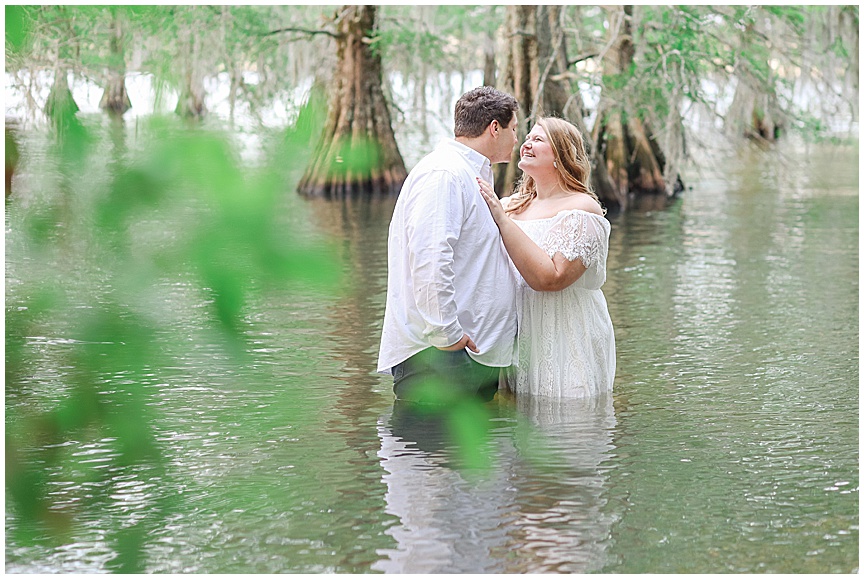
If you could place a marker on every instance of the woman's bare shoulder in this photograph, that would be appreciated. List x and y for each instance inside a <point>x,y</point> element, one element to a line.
<point>505,201</point>
<point>584,202</point>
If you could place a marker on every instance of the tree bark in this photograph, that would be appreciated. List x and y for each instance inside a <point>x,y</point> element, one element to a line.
<point>357,153</point>
<point>535,71</point>
<point>490,70</point>
<point>114,100</point>
<point>561,97</point>
<point>11,154</point>
<point>60,104</point>
<point>190,104</point>
<point>489,61</point>
<point>633,157</point>
<point>519,77</point>
<point>749,114</point>
<point>763,126</point>
<point>754,112</point>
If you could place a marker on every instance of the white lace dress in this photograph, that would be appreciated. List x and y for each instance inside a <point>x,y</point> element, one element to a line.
<point>566,341</point>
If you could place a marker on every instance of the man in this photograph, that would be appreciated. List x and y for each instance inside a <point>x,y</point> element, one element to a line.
<point>450,320</point>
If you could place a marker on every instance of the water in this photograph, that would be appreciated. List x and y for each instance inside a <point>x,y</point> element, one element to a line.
<point>730,443</point>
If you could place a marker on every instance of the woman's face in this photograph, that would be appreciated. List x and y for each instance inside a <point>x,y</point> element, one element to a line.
<point>536,153</point>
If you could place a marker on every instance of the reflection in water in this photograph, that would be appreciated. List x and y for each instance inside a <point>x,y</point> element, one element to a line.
<point>564,522</point>
<point>449,521</point>
<point>543,497</point>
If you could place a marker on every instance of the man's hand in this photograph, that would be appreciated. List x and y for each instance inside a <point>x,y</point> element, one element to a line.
<point>465,342</point>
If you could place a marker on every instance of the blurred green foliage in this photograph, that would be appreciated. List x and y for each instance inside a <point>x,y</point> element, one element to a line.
<point>464,420</point>
<point>692,51</point>
<point>16,28</point>
<point>181,206</point>
<point>418,40</point>
<point>355,156</point>
<point>93,242</point>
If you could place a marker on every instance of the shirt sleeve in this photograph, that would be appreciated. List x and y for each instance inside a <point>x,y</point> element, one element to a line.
<point>433,223</point>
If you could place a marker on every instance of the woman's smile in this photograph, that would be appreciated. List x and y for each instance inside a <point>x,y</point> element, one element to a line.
<point>536,147</point>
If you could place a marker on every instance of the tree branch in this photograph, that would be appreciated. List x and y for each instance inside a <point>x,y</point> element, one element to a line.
<point>302,30</point>
<point>581,58</point>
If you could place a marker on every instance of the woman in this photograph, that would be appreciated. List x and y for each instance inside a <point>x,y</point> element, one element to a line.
<point>557,237</point>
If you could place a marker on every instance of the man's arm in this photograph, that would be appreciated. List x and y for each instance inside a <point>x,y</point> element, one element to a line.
<point>434,219</point>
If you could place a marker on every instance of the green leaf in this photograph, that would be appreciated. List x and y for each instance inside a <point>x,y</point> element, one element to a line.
<point>17,28</point>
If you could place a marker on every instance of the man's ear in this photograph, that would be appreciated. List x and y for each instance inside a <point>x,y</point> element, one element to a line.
<point>494,127</point>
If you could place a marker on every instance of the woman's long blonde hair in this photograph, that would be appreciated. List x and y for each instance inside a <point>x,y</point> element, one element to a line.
<point>574,166</point>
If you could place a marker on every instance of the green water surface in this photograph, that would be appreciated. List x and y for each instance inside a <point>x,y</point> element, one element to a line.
<point>730,443</point>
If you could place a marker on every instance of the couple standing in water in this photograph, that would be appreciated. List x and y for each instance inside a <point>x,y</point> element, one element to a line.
<point>483,292</point>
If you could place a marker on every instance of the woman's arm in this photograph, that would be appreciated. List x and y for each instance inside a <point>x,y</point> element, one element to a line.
<point>541,272</point>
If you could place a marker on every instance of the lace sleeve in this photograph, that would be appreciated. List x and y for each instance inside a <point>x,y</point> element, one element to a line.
<point>577,234</point>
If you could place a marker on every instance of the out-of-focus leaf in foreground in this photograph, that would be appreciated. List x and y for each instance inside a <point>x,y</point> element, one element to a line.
<point>17,28</point>
<point>180,209</point>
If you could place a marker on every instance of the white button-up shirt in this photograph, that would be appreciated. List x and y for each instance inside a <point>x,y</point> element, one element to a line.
<point>448,271</point>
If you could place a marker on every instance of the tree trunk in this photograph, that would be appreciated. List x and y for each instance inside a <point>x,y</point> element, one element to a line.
<point>763,126</point>
<point>561,97</point>
<point>60,104</point>
<point>519,77</point>
<point>749,115</point>
<point>115,101</point>
<point>850,31</point>
<point>754,112</point>
<point>190,104</point>
<point>236,85</point>
<point>11,154</point>
<point>535,71</point>
<point>357,152</point>
<point>633,157</point>
<point>489,55</point>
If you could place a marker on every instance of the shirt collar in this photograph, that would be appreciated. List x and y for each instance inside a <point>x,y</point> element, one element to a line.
<point>477,160</point>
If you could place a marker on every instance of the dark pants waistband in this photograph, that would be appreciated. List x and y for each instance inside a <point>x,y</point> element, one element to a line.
<point>434,376</point>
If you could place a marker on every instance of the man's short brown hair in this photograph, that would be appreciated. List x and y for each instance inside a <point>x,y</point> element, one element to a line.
<point>478,107</point>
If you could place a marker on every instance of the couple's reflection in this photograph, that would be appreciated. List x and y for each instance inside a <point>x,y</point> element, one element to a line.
<point>449,517</point>
<point>539,507</point>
